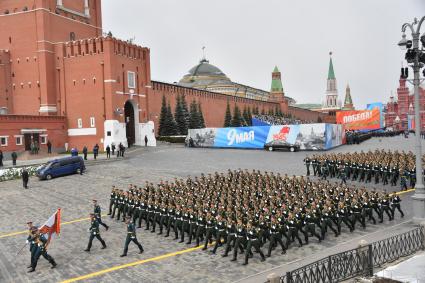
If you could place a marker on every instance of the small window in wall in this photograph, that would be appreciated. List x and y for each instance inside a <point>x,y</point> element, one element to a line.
<point>92,122</point>
<point>80,123</point>
<point>18,140</point>
<point>43,139</point>
<point>131,79</point>
<point>3,140</point>
<point>108,133</point>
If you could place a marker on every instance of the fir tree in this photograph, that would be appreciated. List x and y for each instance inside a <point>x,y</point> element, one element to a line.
<point>170,123</point>
<point>201,117</point>
<point>255,110</point>
<point>249,116</point>
<point>163,117</point>
<point>263,112</point>
<point>277,111</point>
<point>194,116</point>
<point>271,112</point>
<point>180,118</point>
<point>228,116</point>
<point>185,110</point>
<point>245,116</point>
<point>237,117</point>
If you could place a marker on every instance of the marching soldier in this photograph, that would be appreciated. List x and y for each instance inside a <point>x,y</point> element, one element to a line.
<point>40,247</point>
<point>98,214</point>
<point>367,209</point>
<point>293,228</point>
<point>94,233</point>
<point>327,221</point>
<point>357,212</point>
<point>385,207</point>
<point>131,237</point>
<point>275,237</point>
<point>112,200</point>
<point>307,162</point>
<point>220,232</point>
<point>240,240</point>
<point>395,203</point>
<point>310,221</point>
<point>253,240</point>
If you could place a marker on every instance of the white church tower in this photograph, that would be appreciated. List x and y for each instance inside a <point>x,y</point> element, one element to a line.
<point>331,100</point>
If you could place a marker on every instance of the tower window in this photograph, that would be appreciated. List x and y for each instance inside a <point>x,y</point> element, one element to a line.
<point>72,36</point>
<point>131,78</point>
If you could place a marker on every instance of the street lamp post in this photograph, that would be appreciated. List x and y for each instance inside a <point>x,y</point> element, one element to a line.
<point>415,56</point>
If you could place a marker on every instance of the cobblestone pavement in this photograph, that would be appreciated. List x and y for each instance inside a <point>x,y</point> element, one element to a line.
<point>74,194</point>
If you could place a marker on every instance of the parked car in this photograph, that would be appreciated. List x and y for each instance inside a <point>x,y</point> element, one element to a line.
<point>61,167</point>
<point>276,145</point>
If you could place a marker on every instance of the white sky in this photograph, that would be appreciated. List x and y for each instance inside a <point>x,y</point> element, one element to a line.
<point>247,38</point>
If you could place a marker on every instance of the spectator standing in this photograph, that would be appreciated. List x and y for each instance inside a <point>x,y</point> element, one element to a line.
<point>14,157</point>
<point>85,151</point>
<point>1,158</point>
<point>95,151</point>
<point>108,152</point>
<point>113,148</point>
<point>25,178</point>
<point>74,152</point>
<point>49,147</point>
<point>146,140</point>
<point>36,147</point>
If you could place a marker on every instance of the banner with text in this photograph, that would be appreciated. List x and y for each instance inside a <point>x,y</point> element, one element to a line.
<point>318,136</point>
<point>359,119</point>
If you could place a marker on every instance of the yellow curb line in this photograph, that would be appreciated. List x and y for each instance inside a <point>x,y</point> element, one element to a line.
<point>131,264</point>
<point>404,192</point>
<point>26,231</point>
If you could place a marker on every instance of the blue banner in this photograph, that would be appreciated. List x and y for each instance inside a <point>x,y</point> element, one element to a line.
<point>306,136</point>
<point>241,137</point>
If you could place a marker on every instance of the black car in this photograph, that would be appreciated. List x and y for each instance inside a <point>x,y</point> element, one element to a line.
<point>276,145</point>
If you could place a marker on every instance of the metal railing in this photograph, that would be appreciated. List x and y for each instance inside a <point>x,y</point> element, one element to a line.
<point>359,261</point>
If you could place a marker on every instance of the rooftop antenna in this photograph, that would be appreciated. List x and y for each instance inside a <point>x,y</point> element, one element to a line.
<point>204,58</point>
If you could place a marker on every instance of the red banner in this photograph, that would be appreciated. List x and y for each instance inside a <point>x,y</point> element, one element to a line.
<point>359,119</point>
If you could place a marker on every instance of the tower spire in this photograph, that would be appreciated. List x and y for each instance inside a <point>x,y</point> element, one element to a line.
<point>331,73</point>
<point>348,101</point>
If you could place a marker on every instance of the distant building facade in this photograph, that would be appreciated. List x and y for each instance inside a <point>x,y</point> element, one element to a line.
<point>400,110</point>
<point>63,80</point>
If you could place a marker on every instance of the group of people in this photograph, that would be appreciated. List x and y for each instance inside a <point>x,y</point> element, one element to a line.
<point>38,242</point>
<point>277,120</point>
<point>110,150</point>
<point>242,210</point>
<point>372,166</point>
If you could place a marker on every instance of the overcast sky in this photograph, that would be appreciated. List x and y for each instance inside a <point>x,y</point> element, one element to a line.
<point>247,38</point>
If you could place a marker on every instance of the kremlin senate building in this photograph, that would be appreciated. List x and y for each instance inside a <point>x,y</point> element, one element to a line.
<point>63,80</point>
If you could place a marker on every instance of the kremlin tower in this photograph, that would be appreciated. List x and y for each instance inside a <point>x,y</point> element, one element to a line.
<point>331,100</point>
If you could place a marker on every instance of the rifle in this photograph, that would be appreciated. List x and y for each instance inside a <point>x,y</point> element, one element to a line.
<point>22,248</point>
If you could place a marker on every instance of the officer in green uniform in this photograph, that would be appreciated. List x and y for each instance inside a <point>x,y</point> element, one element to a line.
<point>275,236</point>
<point>131,237</point>
<point>40,247</point>
<point>94,233</point>
<point>253,240</point>
<point>98,214</point>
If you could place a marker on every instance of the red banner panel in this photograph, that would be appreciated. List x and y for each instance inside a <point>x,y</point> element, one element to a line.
<point>359,119</point>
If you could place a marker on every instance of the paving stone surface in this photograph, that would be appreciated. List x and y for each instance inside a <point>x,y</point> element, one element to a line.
<point>73,194</point>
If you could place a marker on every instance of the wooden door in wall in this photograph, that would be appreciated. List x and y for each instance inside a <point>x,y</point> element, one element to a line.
<point>129,123</point>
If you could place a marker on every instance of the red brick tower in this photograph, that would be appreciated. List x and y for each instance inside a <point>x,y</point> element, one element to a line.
<point>31,31</point>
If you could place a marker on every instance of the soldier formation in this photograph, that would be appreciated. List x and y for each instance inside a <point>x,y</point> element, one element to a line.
<point>242,210</point>
<point>388,167</point>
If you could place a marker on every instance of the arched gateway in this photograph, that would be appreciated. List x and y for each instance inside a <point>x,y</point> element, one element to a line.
<point>130,125</point>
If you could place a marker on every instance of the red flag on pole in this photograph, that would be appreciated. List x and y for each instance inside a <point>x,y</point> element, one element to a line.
<point>52,225</point>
